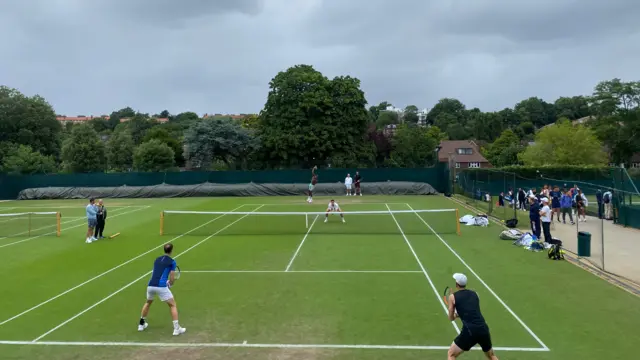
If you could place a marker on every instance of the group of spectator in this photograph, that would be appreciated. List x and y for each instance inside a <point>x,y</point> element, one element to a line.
<point>571,202</point>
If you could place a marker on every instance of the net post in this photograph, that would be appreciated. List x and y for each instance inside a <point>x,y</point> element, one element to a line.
<point>161,223</point>
<point>306,220</point>
<point>458,222</point>
<point>58,227</point>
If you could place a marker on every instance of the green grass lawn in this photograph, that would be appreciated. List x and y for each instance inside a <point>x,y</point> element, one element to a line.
<point>271,287</point>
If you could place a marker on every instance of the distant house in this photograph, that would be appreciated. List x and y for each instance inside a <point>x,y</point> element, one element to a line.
<point>158,120</point>
<point>80,119</point>
<point>462,154</point>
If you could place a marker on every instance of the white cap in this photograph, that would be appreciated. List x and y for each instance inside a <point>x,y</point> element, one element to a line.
<point>461,279</point>
<point>545,199</point>
<point>532,196</point>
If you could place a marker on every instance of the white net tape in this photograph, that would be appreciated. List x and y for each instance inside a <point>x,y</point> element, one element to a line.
<point>375,212</point>
<point>28,213</point>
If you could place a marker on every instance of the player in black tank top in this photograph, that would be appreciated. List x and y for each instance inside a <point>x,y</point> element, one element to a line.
<point>465,304</point>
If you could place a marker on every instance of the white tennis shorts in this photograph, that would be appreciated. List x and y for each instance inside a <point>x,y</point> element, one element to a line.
<point>162,292</point>
<point>348,186</point>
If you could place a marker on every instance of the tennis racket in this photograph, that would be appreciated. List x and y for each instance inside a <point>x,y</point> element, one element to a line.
<point>445,295</point>
<point>176,274</point>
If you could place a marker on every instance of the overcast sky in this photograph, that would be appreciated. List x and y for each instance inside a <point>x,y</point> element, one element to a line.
<point>218,56</point>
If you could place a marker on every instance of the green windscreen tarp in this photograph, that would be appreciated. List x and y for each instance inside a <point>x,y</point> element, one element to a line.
<point>212,189</point>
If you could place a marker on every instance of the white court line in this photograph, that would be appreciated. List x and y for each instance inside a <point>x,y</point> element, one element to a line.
<point>136,280</point>
<point>300,246</point>
<point>61,223</point>
<point>53,232</point>
<point>482,282</point>
<point>7,208</point>
<point>245,344</point>
<point>110,270</point>
<point>446,310</point>
<point>79,206</point>
<point>304,271</point>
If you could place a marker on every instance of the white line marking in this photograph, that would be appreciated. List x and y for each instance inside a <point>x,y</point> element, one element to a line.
<point>305,271</point>
<point>136,280</point>
<point>247,345</point>
<point>482,282</point>
<point>301,242</point>
<point>7,208</point>
<point>108,271</point>
<point>79,207</point>
<point>424,271</point>
<point>355,202</point>
<point>53,232</point>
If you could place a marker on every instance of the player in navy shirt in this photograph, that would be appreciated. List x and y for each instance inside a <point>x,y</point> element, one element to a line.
<point>161,280</point>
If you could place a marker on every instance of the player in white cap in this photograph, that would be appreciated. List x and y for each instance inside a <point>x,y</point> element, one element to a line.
<point>465,304</point>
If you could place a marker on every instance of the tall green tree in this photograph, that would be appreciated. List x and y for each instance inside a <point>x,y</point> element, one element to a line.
<point>83,151</point>
<point>536,111</point>
<point>504,151</point>
<point>452,107</point>
<point>413,147</point>
<point>387,118</point>
<point>564,144</point>
<point>21,159</point>
<point>223,140</point>
<point>120,151</point>
<point>29,121</point>
<point>138,125</point>
<point>309,118</point>
<point>572,108</point>
<point>153,155</point>
<point>162,134</point>
<point>116,116</point>
<point>410,115</point>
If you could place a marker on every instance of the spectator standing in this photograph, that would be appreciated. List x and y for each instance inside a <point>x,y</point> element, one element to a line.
<point>546,217</point>
<point>607,199</point>
<point>581,206</point>
<point>522,198</point>
<point>534,216</point>
<point>555,202</point>
<point>101,218</point>
<point>566,207</point>
<point>347,183</point>
<point>600,204</point>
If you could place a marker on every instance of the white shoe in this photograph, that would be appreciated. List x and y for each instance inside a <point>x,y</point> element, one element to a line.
<point>325,220</point>
<point>179,331</point>
<point>343,221</point>
<point>142,327</point>
<point>93,238</point>
<point>88,241</point>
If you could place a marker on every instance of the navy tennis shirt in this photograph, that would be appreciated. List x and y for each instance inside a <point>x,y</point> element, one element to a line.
<point>161,269</point>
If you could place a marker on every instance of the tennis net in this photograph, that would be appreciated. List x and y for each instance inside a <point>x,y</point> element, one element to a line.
<point>30,224</point>
<point>414,222</point>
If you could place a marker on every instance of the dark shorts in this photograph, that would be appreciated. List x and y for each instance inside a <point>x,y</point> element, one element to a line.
<point>357,185</point>
<point>555,204</point>
<point>469,338</point>
<point>92,222</point>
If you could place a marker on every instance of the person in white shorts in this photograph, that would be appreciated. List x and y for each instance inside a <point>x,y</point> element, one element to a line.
<point>347,183</point>
<point>333,207</point>
<point>162,279</point>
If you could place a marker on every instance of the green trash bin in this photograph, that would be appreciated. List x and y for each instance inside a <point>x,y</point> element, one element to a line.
<point>584,244</point>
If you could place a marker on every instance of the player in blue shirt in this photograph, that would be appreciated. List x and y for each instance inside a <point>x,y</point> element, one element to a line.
<point>161,280</point>
<point>92,220</point>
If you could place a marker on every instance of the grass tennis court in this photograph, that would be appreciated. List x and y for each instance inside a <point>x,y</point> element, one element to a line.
<point>270,287</point>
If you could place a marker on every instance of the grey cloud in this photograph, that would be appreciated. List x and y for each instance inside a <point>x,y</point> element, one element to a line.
<point>91,57</point>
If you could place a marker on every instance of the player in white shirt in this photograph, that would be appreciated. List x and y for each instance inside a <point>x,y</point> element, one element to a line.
<point>333,207</point>
<point>347,183</point>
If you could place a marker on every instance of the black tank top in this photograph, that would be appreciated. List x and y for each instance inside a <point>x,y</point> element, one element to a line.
<point>468,307</point>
